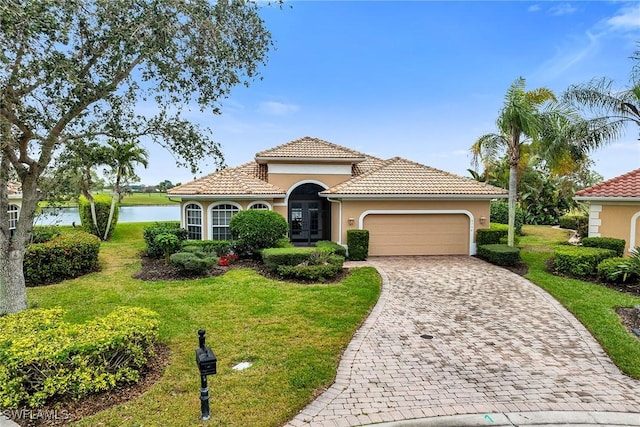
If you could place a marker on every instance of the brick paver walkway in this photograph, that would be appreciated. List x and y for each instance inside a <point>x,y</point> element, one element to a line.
<point>500,344</point>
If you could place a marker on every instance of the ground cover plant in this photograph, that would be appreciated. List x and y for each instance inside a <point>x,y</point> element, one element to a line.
<point>294,334</point>
<point>605,312</point>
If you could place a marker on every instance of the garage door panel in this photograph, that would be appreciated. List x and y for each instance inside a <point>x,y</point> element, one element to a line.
<point>417,234</point>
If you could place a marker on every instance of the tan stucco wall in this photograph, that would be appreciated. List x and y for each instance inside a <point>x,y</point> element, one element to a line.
<point>615,221</point>
<point>286,181</point>
<point>355,208</point>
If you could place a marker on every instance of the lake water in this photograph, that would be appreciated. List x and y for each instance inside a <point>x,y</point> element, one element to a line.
<point>67,216</point>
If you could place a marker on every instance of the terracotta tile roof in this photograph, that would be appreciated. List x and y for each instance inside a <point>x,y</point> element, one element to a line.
<point>369,163</point>
<point>308,148</point>
<point>260,171</point>
<point>627,185</point>
<point>228,182</point>
<point>398,176</point>
<point>14,188</point>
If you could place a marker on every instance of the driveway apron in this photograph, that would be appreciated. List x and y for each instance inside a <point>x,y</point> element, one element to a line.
<point>456,335</point>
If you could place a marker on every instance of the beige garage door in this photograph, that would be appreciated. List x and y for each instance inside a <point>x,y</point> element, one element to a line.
<point>417,234</point>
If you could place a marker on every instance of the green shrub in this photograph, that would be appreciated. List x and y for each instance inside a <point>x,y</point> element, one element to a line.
<point>44,233</point>
<point>67,256</point>
<point>618,270</point>
<point>358,244</point>
<point>333,247</point>
<point>283,243</point>
<point>578,222</point>
<point>253,230</point>
<point>168,243</point>
<point>211,247</point>
<point>500,215</point>
<point>274,257</point>
<point>193,263</point>
<point>150,233</point>
<point>579,261</point>
<point>499,254</point>
<point>319,268</point>
<point>103,205</point>
<point>56,360</point>
<point>616,245</point>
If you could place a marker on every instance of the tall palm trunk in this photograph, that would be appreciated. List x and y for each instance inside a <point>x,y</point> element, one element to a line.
<point>514,160</point>
<point>116,192</point>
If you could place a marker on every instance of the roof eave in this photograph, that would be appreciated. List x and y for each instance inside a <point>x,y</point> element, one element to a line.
<point>417,196</point>
<point>227,196</point>
<point>606,199</point>
<point>348,160</point>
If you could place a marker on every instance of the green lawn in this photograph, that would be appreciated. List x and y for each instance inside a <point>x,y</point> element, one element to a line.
<point>294,334</point>
<point>592,304</point>
<point>145,199</point>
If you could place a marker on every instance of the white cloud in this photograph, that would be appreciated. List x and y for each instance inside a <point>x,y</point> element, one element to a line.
<point>627,18</point>
<point>277,108</point>
<point>562,9</point>
<point>534,8</point>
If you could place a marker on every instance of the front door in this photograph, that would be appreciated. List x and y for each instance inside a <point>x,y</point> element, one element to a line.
<point>306,221</point>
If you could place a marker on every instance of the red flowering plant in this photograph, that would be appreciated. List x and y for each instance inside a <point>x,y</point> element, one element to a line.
<point>227,260</point>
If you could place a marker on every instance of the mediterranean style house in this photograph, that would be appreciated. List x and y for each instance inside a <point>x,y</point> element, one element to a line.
<point>614,208</point>
<point>15,203</point>
<point>324,189</point>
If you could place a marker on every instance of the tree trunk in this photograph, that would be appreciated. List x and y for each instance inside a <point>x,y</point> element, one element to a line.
<point>111,211</point>
<point>513,191</point>
<point>13,292</point>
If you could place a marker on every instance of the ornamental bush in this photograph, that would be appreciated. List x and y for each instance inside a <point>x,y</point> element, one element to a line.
<point>358,244</point>
<point>193,263</point>
<point>253,230</point>
<point>616,245</point>
<point>102,204</point>
<point>211,247</point>
<point>500,215</point>
<point>150,233</point>
<point>44,233</point>
<point>67,256</point>
<point>333,247</point>
<point>274,257</point>
<point>56,360</point>
<point>319,268</point>
<point>499,254</point>
<point>618,270</point>
<point>580,261</point>
<point>578,222</point>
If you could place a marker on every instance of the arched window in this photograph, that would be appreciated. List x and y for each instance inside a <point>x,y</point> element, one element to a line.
<point>220,217</point>
<point>13,218</point>
<point>259,206</point>
<point>193,214</point>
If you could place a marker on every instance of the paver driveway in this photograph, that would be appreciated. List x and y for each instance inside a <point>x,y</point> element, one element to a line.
<point>500,344</point>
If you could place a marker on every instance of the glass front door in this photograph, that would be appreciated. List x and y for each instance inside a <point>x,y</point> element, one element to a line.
<point>305,221</point>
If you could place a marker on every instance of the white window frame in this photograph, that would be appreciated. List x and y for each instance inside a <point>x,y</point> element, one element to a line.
<point>213,226</point>
<point>187,224</point>
<point>253,205</point>
<point>13,212</point>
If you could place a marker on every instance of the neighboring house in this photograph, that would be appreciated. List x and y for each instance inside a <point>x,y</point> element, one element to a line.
<point>614,208</point>
<point>15,203</point>
<point>323,190</point>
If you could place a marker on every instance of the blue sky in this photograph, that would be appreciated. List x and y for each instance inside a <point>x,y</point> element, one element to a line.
<point>417,79</point>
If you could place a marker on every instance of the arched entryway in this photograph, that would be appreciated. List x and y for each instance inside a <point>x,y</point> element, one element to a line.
<point>309,215</point>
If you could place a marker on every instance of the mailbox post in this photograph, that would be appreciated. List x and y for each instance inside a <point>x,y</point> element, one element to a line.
<point>206,361</point>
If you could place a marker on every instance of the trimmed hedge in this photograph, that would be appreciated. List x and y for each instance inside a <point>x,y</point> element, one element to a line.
<point>151,232</point>
<point>253,230</point>
<point>500,215</point>
<point>317,270</point>
<point>44,233</point>
<point>192,263</point>
<point>580,223</point>
<point>333,247</point>
<point>212,247</point>
<point>580,261</point>
<point>43,358</point>
<point>499,254</point>
<point>617,270</point>
<point>274,257</point>
<point>616,245</point>
<point>358,244</point>
<point>103,206</point>
<point>67,256</point>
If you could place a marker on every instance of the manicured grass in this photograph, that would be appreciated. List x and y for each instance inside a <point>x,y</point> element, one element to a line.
<point>592,304</point>
<point>294,335</point>
<point>145,199</point>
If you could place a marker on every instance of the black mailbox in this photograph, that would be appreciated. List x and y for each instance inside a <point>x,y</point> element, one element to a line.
<point>205,358</point>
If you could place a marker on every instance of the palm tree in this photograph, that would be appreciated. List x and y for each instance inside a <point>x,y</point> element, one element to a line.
<point>520,122</point>
<point>611,107</point>
<point>123,157</point>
